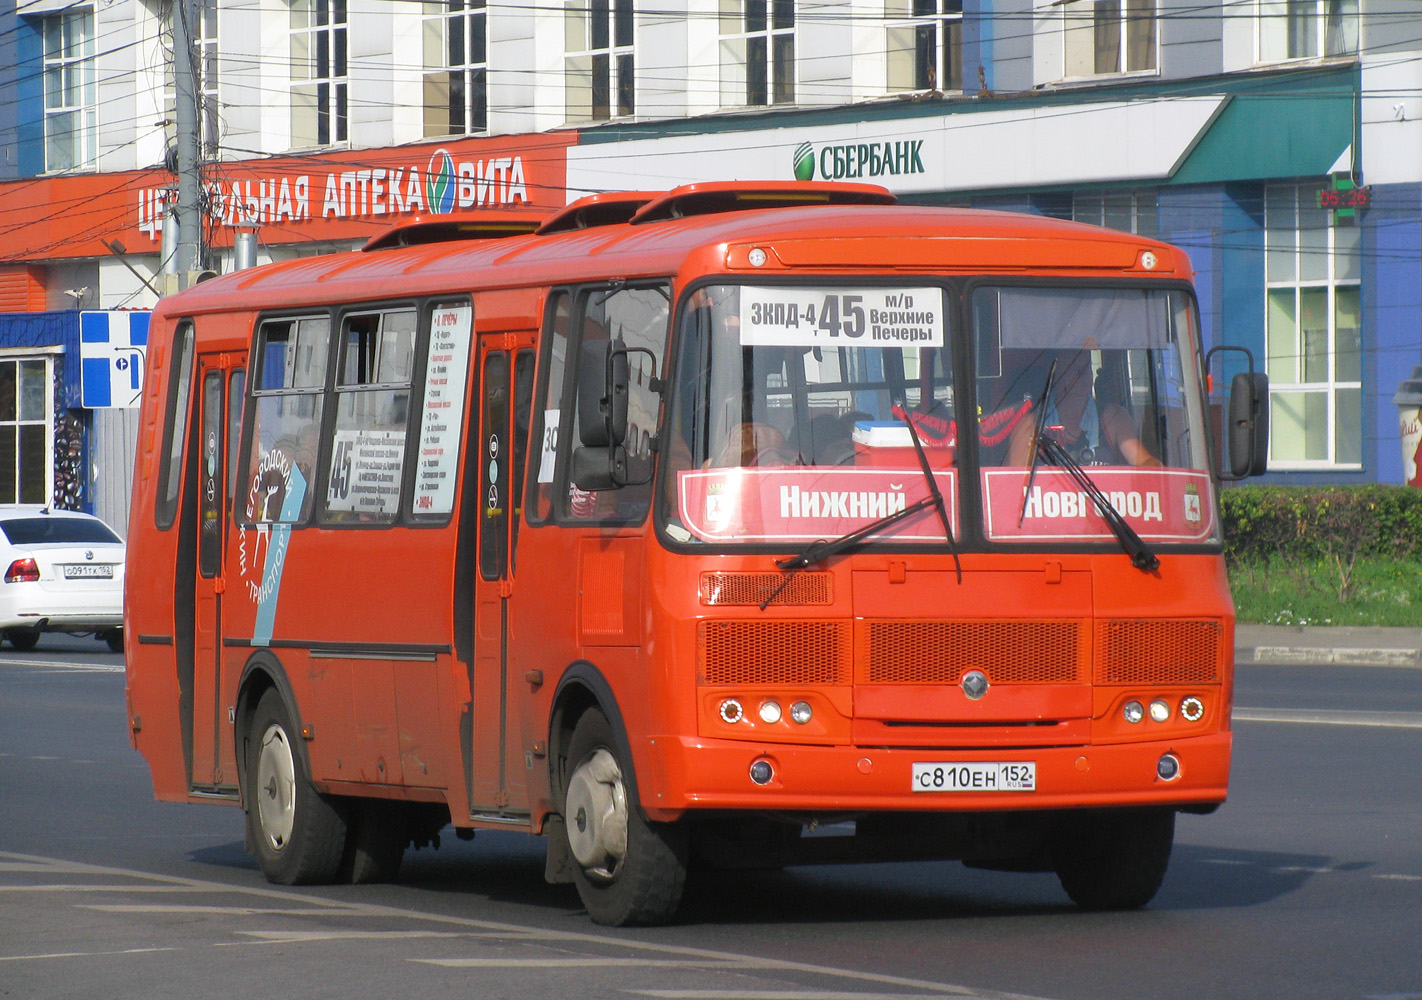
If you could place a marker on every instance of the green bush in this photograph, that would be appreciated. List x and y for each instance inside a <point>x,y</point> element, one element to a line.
<point>1319,540</point>
<point>1315,522</point>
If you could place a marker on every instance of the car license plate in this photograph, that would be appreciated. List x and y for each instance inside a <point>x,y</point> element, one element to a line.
<point>81,571</point>
<point>976,776</point>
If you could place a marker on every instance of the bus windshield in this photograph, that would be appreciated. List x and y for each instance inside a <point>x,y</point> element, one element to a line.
<point>796,411</point>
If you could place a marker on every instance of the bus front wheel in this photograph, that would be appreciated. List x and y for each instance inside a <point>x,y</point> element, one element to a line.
<point>1114,859</point>
<point>628,870</point>
<point>298,835</point>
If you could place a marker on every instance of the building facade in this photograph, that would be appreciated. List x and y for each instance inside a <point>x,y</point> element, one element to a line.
<point>1278,141</point>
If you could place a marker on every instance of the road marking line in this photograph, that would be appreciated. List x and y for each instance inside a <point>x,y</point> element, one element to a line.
<point>589,962</point>
<point>779,995</point>
<point>326,907</point>
<point>1401,878</point>
<point>80,954</point>
<point>97,668</point>
<point>333,910</point>
<point>1339,717</point>
<point>299,937</point>
<point>74,887</point>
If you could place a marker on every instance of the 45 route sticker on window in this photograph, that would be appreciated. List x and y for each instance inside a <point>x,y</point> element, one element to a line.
<point>841,317</point>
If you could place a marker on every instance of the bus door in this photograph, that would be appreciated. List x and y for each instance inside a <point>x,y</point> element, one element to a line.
<point>495,486</point>
<point>221,382</point>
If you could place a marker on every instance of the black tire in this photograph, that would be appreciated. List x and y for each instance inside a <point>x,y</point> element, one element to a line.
<point>375,842</point>
<point>23,638</point>
<point>297,834</point>
<point>627,870</point>
<point>1114,859</point>
<point>114,637</point>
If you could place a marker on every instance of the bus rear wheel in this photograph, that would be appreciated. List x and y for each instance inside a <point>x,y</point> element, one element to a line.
<point>297,834</point>
<point>1114,859</point>
<point>628,870</point>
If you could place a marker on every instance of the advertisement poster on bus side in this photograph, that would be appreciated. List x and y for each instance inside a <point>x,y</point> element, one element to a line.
<point>1162,505</point>
<point>442,415</point>
<point>805,504</point>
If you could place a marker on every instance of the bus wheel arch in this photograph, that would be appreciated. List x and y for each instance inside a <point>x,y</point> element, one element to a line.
<point>627,869</point>
<point>297,834</point>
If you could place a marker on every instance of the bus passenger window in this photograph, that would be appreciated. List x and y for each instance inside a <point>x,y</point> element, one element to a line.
<point>287,406</point>
<point>176,428</point>
<point>637,317</point>
<point>372,401</point>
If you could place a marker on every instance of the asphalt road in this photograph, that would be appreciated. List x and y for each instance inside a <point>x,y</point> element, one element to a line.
<point>1307,884</point>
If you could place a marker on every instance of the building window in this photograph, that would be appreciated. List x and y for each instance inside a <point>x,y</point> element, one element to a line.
<point>204,35</point>
<point>24,430</point>
<point>1314,344</point>
<point>318,72</point>
<point>1127,211</point>
<point>1307,29</point>
<point>757,52</point>
<point>598,63</point>
<point>456,68</point>
<point>70,90</point>
<point>925,44</point>
<point>1109,36</point>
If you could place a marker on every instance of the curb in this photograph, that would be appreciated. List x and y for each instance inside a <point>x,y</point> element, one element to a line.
<point>1338,656</point>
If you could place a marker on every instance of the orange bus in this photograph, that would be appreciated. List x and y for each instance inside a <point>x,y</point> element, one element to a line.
<point>745,524</point>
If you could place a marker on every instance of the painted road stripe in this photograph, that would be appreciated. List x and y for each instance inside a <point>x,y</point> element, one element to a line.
<point>1340,717</point>
<point>80,954</point>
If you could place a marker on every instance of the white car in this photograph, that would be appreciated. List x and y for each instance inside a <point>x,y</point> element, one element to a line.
<point>63,572</point>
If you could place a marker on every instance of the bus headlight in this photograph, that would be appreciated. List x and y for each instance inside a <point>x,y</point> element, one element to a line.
<point>1159,710</point>
<point>801,713</point>
<point>770,712</point>
<point>731,711</point>
<point>1133,712</point>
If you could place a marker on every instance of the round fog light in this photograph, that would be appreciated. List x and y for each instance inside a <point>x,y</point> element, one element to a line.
<point>770,712</point>
<point>800,712</point>
<point>1192,709</point>
<point>1159,710</point>
<point>761,772</point>
<point>731,711</point>
<point>1168,767</point>
<point>1133,712</point>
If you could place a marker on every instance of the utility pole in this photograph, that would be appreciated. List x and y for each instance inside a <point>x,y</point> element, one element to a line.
<point>188,255</point>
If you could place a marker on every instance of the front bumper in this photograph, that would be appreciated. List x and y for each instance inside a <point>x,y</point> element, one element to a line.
<point>690,773</point>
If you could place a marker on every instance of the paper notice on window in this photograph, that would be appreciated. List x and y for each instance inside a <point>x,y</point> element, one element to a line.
<point>366,469</point>
<point>442,416</point>
<point>549,454</point>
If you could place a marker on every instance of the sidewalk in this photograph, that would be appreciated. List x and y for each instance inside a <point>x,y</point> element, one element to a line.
<point>1343,645</point>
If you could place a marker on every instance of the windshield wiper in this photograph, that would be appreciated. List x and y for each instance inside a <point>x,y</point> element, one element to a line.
<point>820,550</point>
<point>901,412</point>
<point>1045,447</point>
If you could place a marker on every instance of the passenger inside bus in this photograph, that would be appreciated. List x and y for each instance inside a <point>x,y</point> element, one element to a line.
<point>1089,412</point>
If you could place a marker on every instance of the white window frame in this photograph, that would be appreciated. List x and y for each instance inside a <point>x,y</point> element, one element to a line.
<point>1313,380</point>
<point>908,23</point>
<point>1083,28</point>
<point>456,48</point>
<point>1125,211</point>
<point>71,92</point>
<point>767,24</point>
<point>318,90</point>
<point>1290,30</point>
<point>17,357</point>
<point>599,60</point>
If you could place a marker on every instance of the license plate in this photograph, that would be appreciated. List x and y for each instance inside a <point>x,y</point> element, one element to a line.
<point>976,776</point>
<point>80,571</point>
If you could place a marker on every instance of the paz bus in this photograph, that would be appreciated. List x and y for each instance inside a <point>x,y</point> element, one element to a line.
<point>739,525</point>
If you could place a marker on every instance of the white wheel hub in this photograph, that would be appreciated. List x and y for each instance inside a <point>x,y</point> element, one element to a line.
<point>276,787</point>
<point>596,815</point>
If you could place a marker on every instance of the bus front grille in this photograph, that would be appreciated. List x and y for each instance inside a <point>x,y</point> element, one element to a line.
<point>1160,651</point>
<point>754,588</point>
<point>775,652</point>
<point>894,651</point>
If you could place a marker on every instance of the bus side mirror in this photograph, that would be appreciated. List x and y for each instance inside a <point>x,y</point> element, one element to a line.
<point>602,393</point>
<point>599,468</point>
<point>1248,424</point>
